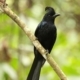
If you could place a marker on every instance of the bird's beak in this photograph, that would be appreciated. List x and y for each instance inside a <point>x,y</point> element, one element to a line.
<point>56,15</point>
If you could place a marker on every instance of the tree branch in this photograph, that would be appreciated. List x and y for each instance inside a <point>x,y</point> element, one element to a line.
<point>33,39</point>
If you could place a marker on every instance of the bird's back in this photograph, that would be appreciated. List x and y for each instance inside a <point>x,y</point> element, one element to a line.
<point>46,34</point>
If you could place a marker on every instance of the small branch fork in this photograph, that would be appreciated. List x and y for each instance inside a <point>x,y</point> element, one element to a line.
<point>4,7</point>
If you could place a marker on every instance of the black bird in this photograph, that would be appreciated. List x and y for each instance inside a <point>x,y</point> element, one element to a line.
<point>46,34</point>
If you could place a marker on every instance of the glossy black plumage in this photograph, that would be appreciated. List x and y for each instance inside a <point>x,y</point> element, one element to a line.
<point>46,33</point>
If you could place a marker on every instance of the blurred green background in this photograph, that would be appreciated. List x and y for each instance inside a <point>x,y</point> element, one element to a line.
<point>16,49</point>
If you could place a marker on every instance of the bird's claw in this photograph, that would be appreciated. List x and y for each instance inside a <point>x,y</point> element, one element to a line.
<point>36,38</point>
<point>47,51</point>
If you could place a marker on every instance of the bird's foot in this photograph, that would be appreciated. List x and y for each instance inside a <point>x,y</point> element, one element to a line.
<point>36,38</point>
<point>47,51</point>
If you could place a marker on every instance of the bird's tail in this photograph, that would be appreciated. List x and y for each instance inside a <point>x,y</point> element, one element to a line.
<point>35,69</point>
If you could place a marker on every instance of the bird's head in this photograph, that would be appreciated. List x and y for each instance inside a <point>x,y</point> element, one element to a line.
<point>50,11</point>
<point>50,14</point>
